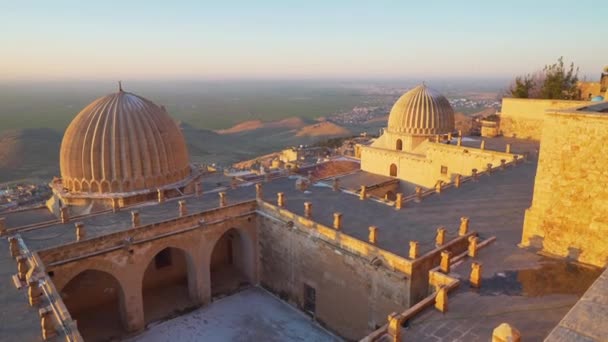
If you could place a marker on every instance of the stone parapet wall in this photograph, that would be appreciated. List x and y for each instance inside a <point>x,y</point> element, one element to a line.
<point>569,212</point>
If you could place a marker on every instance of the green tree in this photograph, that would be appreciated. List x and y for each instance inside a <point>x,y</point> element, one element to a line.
<point>560,83</point>
<point>521,88</point>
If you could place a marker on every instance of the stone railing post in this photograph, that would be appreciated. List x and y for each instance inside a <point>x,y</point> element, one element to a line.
<point>34,293</point>
<point>483,145</point>
<point>418,194</point>
<point>135,219</point>
<point>280,199</point>
<point>440,237</point>
<point>373,235</point>
<point>475,278</point>
<point>160,194</point>
<point>503,164</point>
<point>14,247</point>
<point>474,174</point>
<point>459,141</point>
<point>22,267</point>
<point>64,215</point>
<point>472,249</point>
<point>464,226</point>
<point>337,221</point>
<point>508,148</point>
<point>446,258</point>
<point>80,231</point>
<point>183,209</point>
<point>336,184</point>
<point>489,168</point>
<point>438,186</point>
<point>413,249</point>
<point>362,193</point>
<point>506,333</point>
<point>307,209</point>
<point>457,180</point>
<point>441,299</point>
<point>399,201</point>
<point>259,192</point>
<point>394,327</point>
<point>222,199</point>
<point>47,323</point>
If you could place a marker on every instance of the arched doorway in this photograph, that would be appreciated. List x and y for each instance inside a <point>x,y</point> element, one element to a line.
<point>95,300</point>
<point>393,170</point>
<point>399,145</point>
<point>166,285</point>
<point>232,264</point>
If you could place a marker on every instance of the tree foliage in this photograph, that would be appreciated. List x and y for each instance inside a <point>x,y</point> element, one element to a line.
<point>555,81</point>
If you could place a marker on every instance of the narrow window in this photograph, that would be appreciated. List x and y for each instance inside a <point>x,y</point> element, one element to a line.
<point>444,170</point>
<point>310,297</point>
<point>399,145</point>
<point>393,170</point>
<point>163,258</point>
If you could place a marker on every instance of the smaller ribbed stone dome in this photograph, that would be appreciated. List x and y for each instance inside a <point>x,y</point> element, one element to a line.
<point>122,143</point>
<point>421,111</point>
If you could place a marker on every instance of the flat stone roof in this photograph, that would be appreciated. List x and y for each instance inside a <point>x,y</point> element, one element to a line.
<point>250,315</point>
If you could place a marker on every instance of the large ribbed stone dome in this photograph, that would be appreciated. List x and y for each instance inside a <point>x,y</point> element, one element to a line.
<point>421,111</point>
<point>122,143</point>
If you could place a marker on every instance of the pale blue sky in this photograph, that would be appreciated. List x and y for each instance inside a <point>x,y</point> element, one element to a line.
<point>297,39</point>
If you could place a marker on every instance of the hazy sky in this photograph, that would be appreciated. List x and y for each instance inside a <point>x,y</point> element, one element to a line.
<point>297,39</point>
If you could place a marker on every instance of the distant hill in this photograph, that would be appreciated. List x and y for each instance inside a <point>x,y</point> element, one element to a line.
<point>29,153</point>
<point>323,129</point>
<point>252,125</point>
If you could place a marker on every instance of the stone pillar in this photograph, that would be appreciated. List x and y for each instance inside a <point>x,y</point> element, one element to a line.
<point>258,191</point>
<point>13,244</point>
<point>22,267</point>
<point>418,194</point>
<point>457,180</point>
<point>474,174</point>
<point>2,226</point>
<point>222,199</point>
<point>308,209</point>
<point>47,323</point>
<point>475,278</point>
<point>483,145</point>
<point>503,164</point>
<point>362,193</point>
<point>337,220</point>
<point>446,258</point>
<point>280,199</point>
<point>135,220</point>
<point>440,237</point>
<point>64,214</point>
<point>508,148</point>
<point>472,246</point>
<point>413,249</point>
<point>464,226</point>
<point>160,193</point>
<point>489,168</point>
<point>506,333</point>
<point>441,299</point>
<point>394,327</point>
<point>133,317</point>
<point>459,141</point>
<point>34,293</point>
<point>373,235</point>
<point>399,201</point>
<point>183,209</point>
<point>80,231</point>
<point>336,184</point>
<point>198,189</point>
<point>438,186</point>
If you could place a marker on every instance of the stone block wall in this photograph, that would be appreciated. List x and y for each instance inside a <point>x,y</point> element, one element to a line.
<point>353,295</point>
<point>569,212</point>
<point>523,118</point>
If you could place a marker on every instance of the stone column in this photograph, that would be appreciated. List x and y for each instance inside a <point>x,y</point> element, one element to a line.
<point>34,294</point>
<point>440,237</point>
<point>505,333</point>
<point>198,189</point>
<point>280,199</point>
<point>47,323</point>
<point>337,220</point>
<point>483,145</point>
<point>222,199</point>
<point>472,249</point>
<point>258,191</point>
<point>446,258</point>
<point>308,209</point>
<point>160,193</point>
<point>441,299</point>
<point>394,327</point>
<point>135,220</point>
<point>373,235</point>
<point>474,174</point>
<point>457,180</point>
<point>183,209</point>
<point>399,201</point>
<point>413,249</point>
<point>464,226</point>
<point>13,244</point>
<point>475,278</point>
<point>64,215</point>
<point>22,267</point>
<point>80,231</point>
<point>508,148</point>
<point>362,193</point>
<point>336,184</point>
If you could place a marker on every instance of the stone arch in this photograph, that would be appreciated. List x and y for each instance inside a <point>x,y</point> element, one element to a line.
<point>231,261</point>
<point>96,300</point>
<point>126,186</point>
<point>105,186</point>
<point>115,186</point>
<point>85,186</point>
<point>393,170</point>
<point>94,186</point>
<point>77,186</point>
<point>399,145</point>
<point>168,282</point>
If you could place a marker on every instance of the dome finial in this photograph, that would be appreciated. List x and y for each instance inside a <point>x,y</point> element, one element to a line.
<point>120,86</point>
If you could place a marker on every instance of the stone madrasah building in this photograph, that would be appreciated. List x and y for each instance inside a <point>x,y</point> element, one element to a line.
<point>371,248</point>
